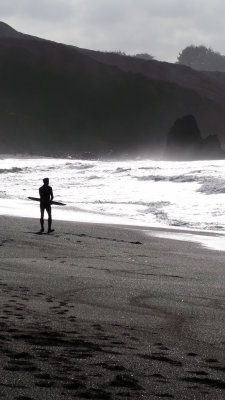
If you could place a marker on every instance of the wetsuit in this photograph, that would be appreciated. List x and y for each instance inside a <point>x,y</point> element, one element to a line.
<point>46,196</point>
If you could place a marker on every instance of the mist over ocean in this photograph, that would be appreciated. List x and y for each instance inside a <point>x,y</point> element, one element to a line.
<point>187,195</point>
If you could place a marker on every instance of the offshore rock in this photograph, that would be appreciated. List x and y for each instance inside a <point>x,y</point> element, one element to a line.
<point>184,142</point>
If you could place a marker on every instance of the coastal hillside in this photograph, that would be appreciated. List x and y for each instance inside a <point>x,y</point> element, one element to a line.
<point>58,99</point>
<point>206,83</point>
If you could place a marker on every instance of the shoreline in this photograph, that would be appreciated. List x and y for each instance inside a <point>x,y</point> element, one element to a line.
<point>171,233</point>
<point>100,311</point>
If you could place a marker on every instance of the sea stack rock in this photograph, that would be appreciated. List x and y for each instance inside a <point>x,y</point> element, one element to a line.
<point>184,139</point>
<point>184,142</point>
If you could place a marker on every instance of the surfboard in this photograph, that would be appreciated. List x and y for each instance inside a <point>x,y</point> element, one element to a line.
<point>57,203</point>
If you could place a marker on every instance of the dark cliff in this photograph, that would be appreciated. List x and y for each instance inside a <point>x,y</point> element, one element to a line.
<point>56,99</point>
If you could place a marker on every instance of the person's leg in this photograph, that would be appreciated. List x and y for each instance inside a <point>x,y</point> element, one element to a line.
<point>42,209</point>
<point>49,211</point>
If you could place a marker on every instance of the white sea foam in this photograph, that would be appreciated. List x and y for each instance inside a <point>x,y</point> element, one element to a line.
<point>190,195</point>
<point>214,242</point>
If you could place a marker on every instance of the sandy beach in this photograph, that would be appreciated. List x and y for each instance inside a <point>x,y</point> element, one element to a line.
<point>108,312</point>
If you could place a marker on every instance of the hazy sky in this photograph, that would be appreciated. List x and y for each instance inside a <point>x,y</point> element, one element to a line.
<point>158,27</point>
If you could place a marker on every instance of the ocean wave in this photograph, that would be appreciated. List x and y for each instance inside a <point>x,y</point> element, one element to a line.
<point>4,195</point>
<point>212,186</point>
<point>120,169</point>
<point>208,185</point>
<point>161,178</point>
<point>159,214</point>
<point>93,177</point>
<point>79,166</point>
<point>151,205</point>
<point>150,168</point>
<point>157,204</point>
<point>180,223</point>
<point>157,209</point>
<point>196,171</point>
<point>11,170</point>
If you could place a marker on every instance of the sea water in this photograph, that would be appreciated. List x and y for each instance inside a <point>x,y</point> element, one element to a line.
<point>187,195</point>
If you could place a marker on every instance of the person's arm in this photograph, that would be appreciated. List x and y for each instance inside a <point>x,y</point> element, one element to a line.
<point>51,195</point>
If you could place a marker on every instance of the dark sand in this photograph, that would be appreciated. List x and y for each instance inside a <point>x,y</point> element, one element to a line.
<point>105,312</point>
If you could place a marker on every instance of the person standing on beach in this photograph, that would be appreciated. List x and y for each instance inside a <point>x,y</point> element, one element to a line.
<point>46,196</point>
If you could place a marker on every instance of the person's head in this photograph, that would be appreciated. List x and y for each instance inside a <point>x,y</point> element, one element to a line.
<point>46,181</point>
